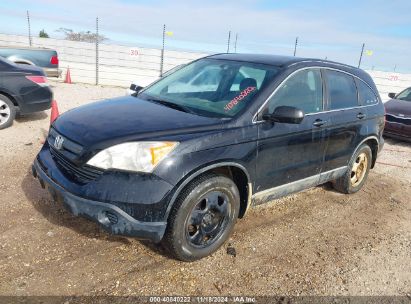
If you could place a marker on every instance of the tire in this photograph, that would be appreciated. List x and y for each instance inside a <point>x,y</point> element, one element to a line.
<point>7,112</point>
<point>357,173</point>
<point>202,217</point>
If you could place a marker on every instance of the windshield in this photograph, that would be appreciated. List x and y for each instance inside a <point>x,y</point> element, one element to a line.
<point>211,87</point>
<point>405,95</point>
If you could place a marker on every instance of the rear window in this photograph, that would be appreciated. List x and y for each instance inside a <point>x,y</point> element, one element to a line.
<point>365,94</point>
<point>342,91</point>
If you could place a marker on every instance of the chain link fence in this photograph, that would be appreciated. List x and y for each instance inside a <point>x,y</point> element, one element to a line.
<point>108,62</point>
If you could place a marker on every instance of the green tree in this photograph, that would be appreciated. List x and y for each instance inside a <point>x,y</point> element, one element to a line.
<point>43,34</point>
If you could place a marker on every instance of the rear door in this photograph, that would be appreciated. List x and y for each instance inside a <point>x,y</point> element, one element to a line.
<point>346,119</point>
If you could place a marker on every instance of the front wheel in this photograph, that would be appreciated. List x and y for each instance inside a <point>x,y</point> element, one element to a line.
<point>203,217</point>
<point>357,173</point>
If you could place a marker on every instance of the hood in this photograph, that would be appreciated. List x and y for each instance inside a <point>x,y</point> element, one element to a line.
<point>105,123</point>
<point>397,106</point>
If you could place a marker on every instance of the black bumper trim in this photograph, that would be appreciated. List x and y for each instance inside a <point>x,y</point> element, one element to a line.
<point>102,213</point>
<point>397,136</point>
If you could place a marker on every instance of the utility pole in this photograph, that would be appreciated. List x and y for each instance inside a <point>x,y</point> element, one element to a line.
<point>228,42</point>
<point>295,46</point>
<point>29,27</point>
<point>235,43</point>
<point>97,41</point>
<point>362,52</point>
<point>162,51</point>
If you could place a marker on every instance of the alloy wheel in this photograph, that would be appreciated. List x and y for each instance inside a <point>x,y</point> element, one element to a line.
<point>4,112</point>
<point>359,168</point>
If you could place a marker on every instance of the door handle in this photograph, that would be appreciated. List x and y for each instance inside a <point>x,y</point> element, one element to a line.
<point>360,115</point>
<point>319,123</point>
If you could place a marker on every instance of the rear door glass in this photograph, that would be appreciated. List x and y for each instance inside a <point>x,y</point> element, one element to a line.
<point>342,91</point>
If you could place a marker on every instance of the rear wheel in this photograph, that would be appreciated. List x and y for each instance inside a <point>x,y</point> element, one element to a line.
<point>203,217</point>
<point>357,172</point>
<point>7,112</point>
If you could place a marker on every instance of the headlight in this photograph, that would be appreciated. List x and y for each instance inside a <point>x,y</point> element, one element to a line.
<point>133,156</point>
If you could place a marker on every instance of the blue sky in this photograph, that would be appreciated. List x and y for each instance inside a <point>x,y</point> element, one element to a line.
<point>332,29</point>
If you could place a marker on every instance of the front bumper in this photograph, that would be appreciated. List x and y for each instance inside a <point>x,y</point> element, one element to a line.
<point>36,100</point>
<point>110,217</point>
<point>397,130</point>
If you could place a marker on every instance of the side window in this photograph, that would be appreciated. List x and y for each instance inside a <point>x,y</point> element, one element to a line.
<point>365,94</point>
<point>342,92</point>
<point>303,90</point>
<point>248,72</point>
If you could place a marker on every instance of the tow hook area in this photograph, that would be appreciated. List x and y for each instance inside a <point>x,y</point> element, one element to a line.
<point>107,218</point>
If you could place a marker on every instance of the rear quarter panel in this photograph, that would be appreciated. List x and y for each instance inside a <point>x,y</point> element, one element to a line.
<point>29,96</point>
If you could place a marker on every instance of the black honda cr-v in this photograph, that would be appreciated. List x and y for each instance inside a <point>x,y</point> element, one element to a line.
<point>185,157</point>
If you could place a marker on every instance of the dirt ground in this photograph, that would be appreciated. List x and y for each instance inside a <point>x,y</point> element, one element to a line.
<point>317,242</point>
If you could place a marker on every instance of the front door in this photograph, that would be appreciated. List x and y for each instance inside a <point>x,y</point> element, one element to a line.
<point>293,152</point>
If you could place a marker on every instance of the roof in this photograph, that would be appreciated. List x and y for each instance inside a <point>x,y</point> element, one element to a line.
<point>275,60</point>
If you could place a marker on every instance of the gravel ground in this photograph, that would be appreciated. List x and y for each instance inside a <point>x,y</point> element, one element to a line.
<point>317,242</point>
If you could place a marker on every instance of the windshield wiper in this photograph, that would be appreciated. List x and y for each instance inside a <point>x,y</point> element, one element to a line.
<point>171,105</point>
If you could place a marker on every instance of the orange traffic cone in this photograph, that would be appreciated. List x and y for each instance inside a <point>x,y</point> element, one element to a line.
<point>68,77</point>
<point>54,111</point>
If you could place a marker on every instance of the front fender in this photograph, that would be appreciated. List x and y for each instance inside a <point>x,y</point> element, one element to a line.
<point>180,171</point>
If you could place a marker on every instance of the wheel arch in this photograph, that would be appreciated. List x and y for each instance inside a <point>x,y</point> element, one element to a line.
<point>235,171</point>
<point>373,143</point>
<point>9,96</point>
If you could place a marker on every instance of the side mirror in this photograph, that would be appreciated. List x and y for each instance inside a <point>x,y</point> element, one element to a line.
<point>391,95</point>
<point>285,114</point>
<point>136,88</point>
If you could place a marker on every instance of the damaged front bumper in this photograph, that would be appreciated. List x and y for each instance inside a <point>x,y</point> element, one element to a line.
<point>109,216</point>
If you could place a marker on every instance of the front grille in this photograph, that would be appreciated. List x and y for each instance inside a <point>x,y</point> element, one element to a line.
<point>66,156</point>
<point>82,174</point>
<point>397,119</point>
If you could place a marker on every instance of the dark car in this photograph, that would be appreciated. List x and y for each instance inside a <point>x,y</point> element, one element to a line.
<point>398,115</point>
<point>180,163</point>
<point>23,89</point>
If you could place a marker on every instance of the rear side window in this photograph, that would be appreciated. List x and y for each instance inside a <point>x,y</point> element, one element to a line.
<point>342,92</point>
<point>365,94</point>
